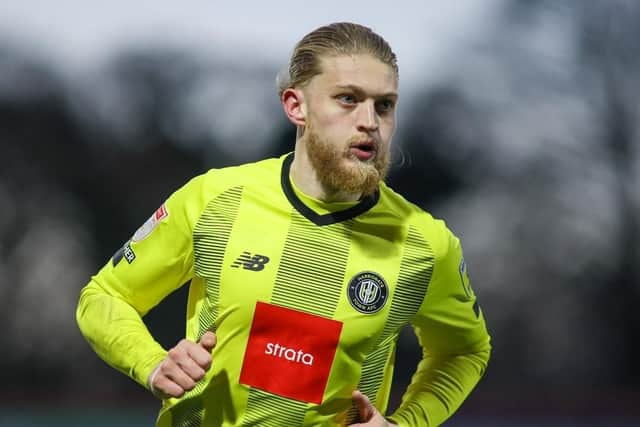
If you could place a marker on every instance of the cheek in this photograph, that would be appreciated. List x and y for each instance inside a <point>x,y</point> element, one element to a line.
<point>332,127</point>
<point>387,130</point>
<point>328,116</point>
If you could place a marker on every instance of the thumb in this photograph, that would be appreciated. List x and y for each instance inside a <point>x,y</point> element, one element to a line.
<point>208,341</point>
<point>365,408</point>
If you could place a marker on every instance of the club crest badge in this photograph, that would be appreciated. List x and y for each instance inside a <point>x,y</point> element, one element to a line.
<point>367,292</point>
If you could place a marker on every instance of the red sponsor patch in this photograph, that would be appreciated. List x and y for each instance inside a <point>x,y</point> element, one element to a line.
<point>290,353</point>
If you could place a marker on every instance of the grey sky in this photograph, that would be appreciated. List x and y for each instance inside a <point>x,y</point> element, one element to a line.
<point>83,32</point>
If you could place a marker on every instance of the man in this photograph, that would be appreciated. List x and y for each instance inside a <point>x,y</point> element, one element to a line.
<point>302,270</point>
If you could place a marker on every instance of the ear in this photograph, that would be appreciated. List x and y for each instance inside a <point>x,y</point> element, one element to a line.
<point>294,106</point>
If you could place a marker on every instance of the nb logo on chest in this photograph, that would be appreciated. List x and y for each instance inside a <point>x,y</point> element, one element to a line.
<point>250,262</point>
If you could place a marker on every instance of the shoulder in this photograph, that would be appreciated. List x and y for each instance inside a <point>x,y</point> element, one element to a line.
<point>433,230</point>
<point>228,182</point>
<point>244,174</point>
<point>217,181</point>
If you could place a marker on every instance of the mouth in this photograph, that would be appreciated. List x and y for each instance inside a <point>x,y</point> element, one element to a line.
<point>363,150</point>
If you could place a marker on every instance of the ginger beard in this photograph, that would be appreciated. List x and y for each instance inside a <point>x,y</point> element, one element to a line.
<point>339,171</point>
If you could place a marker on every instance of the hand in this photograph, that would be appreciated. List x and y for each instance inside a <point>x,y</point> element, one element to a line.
<point>368,413</point>
<point>184,366</point>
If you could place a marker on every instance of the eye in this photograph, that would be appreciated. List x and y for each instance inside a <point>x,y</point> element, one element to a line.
<point>346,98</point>
<point>385,105</point>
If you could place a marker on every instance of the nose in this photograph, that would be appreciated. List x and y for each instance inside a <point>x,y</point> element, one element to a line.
<point>367,117</point>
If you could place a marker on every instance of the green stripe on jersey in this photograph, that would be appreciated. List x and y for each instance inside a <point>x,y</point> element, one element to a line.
<point>309,279</point>
<point>415,273</point>
<point>312,268</point>
<point>266,409</point>
<point>211,236</point>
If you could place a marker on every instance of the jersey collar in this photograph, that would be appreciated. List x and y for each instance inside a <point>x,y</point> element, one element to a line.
<point>322,219</point>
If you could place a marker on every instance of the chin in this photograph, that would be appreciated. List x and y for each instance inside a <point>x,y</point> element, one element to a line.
<point>353,159</point>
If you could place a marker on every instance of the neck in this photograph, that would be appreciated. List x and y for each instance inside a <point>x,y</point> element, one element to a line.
<point>306,179</point>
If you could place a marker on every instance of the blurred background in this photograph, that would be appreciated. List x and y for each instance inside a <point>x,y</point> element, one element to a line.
<point>519,124</point>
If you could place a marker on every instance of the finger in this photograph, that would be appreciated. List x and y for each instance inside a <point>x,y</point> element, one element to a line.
<point>164,387</point>
<point>173,370</point>
<point>161,386</point>
<point>201,352</point>
<point>365,408</point>
<point>196,363</point>
<point>187,350</point>
<point>173,365</point>
<point>189,357</point>
<point>208,341</point>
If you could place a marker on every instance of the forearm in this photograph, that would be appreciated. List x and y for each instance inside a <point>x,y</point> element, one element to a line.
<point>116,332</point>
<point>438,388</point>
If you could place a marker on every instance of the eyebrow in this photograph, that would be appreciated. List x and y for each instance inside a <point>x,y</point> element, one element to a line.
<point>360,91</point>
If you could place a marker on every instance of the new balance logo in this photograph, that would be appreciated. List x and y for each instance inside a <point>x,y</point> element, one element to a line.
<point>250,262</point>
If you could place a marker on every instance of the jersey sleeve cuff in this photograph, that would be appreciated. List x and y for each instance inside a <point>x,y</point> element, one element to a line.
<point>141,374</point>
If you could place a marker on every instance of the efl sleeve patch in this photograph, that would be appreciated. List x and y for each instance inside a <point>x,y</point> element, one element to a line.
<point>126,252</point>
<point>149,225</point>
<point>290,353</point>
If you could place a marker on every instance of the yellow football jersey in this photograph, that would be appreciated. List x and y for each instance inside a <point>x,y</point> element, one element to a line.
<point>306,298</point>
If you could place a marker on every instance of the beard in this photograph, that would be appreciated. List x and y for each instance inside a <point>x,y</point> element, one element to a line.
<point>339,171</point>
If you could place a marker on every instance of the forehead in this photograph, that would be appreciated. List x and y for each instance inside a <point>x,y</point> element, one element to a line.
<point>362,70</point>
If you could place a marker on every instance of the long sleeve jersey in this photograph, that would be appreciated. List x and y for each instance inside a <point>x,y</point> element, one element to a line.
<point>306,298</point>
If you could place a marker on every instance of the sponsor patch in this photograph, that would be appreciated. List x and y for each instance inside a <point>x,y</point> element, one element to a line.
<point>150,224</point>
<point>367,292</point>
<point>126,252</point>
<point>290,353</point>
<point>129,255</point>
<point>117,257</point>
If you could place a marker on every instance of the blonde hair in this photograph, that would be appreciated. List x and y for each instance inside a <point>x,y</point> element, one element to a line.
<point>341,38</point>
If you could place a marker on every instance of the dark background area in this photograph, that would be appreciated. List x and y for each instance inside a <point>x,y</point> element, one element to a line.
<point>528,146</point>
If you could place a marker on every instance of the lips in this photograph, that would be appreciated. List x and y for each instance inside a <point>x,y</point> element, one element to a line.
<point>363,150</point>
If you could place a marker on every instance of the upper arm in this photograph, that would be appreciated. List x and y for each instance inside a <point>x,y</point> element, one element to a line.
<point>450,320</point>
<point>159,256</point>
